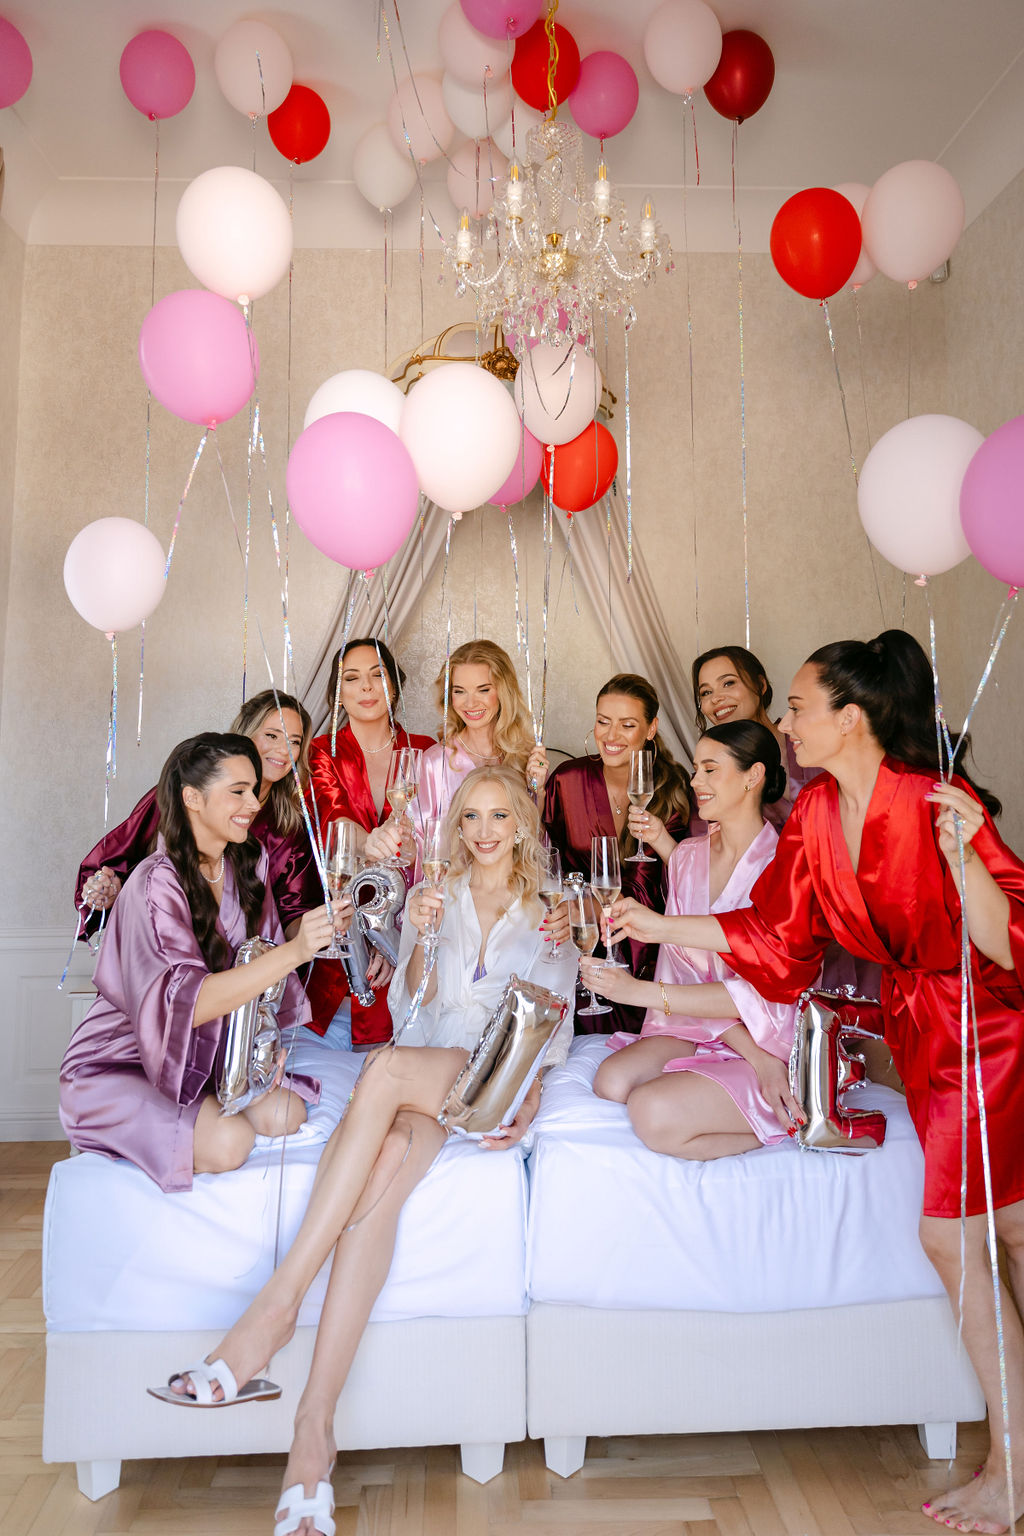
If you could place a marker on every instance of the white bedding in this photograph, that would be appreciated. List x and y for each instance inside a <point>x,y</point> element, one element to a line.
<point>119,1254</point>
<point>614,1225</point>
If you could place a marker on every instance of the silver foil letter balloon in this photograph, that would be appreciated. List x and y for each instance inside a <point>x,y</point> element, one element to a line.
<point>496,1079</point>
<point>821,1069</point>
<point>251,1043</point>
<point>374,923</point>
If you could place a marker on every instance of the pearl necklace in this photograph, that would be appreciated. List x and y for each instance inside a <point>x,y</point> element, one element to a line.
<point>214,879</point>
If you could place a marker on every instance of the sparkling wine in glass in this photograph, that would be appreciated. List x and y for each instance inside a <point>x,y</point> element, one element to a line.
<point>436,857</point>
<point>641,793</point>
<point>606,884</point>
<point>551,895</point>
<point>584,930</point>
<point>341,862</point>
<point>402,789</point>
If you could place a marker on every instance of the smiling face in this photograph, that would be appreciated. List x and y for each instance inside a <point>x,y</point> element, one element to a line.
<point>364,685</point>
<point>723,693</point>
<point>273,743</point>
<point>222,812</point>
<point>488,825</point>
<point>474,697</point>
<point>620,728</point>
<point>816,730</point>
<point>720,785</point>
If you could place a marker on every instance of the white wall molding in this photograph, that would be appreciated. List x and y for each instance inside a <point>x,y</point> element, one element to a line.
<point>36,1021</point>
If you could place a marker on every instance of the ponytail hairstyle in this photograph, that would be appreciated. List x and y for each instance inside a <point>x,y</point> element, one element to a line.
<point>194,764</point>
<point>513,734</point>
<point>671,780</point>
<point>529,860</point>
<point>283,799</point>
<point>746,666</point>
<point>890,680</point>
<point>392,671</point>
<point>748,742</point>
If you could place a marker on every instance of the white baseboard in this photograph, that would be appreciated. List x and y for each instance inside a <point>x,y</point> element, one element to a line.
<point>36,1022</point>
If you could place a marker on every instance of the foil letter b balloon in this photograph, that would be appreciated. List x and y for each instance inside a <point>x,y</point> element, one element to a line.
<point>821,1069</point>
<point>496,1079</point>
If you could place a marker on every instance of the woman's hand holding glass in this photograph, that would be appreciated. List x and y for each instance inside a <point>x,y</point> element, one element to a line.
<point>341,863</point>
<point>641,793</point>
<point>536,769</point>
<point>436,860</point>
<point>319,928</point>
<point>550,893</point>
<point>606,884</point>
<point>611,982</point>
<point>383,844</point>
<point>402,788</point>
<point>631,920</point>
<point>584,920</point>
<point>425,909</point>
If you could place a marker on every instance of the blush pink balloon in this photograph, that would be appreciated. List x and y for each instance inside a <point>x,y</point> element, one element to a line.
<point>605,96</point>
<point>353,489</point>
<point>525,473</point>
<point>15,64</point>
<point>992,503</point>
<point>157,74</point>
<point>502,18</point>
<point>194,352</point>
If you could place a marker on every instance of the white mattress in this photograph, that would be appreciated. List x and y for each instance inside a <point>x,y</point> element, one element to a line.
<point>119,1254</point>
<point>615,1225</point>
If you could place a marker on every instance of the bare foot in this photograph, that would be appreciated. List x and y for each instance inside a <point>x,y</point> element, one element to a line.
<point>310,1461</point>
<point>980,1505</point>
<point>260,1332</point>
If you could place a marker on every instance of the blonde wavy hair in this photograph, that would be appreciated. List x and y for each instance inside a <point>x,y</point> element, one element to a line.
<point>513,734</point>
<point>283,800</point>
<point>529,859</point>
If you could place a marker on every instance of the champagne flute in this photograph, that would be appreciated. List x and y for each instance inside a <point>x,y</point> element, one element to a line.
<point>641,793</point>
<point>606,884</point>
<point>402,788</point>
<point>436,857</point>
<point>584,930</point>
<point>341,862</point>
<point>550,893</point>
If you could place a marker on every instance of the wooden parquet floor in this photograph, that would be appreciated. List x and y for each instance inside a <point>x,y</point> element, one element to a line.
<point>837,1482</point>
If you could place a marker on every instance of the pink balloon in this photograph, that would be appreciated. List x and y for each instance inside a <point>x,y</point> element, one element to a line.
<point>502,18</point>
<point>605,96</point>
<point>15,64</point>
<point>525,472</point>
<point>194,352</point>
<point>353,489</point>
<point>157,74</point>
<point>992,503</point>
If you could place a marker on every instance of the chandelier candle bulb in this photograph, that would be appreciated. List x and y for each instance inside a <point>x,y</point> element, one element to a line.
<point>603,194</point>
<point>463,242</point>
<point>648,230</point>
<point>514,194</point>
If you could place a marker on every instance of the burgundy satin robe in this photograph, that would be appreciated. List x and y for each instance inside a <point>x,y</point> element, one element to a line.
<point>341,789</point>
<point>901,909</point>
<point>576,809</point>
<point>136,1070</point>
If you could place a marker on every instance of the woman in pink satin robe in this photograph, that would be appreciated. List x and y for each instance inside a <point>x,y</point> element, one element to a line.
<point>135,1081</point>
<point>710,1077</point>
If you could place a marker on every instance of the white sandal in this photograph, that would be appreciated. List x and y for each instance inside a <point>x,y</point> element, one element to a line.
<point>204,1376</point>
<point>319,1509</point>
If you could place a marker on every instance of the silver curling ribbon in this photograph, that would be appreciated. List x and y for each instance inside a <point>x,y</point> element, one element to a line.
<point>822,1069</point>
<point>251,1043</point>
<point>378,915</point>
<point>497,1077</point>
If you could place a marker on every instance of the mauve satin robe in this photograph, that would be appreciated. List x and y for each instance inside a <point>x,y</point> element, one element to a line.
<point>771,1025</point>
<point>900,908</point>
<point>341,788</point>
<point>136,1070</point>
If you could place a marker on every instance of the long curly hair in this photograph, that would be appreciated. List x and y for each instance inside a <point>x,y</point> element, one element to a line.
<point>529,859</point>
<point>283,801</point>
<point>671,780</point>
<point>513,734</point>
<point>746,666</point>
<point>194,764</point>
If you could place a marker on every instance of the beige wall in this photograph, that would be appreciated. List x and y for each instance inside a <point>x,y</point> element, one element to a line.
<point>81,454</point>
<point>12,266</point>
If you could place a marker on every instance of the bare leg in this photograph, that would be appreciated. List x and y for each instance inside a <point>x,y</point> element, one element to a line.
<point>622,1071</point>
<point>362,1259</point>
<point>982,1505</point>
<point>688,1115</point>
<point>220,1142</point>
<point>278,1113</point>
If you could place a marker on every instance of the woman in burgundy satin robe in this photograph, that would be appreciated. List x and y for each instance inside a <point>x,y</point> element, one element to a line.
<point>587,797</point>
<point>278,825</point>
<point>870,857</point>
<point>348,784</point>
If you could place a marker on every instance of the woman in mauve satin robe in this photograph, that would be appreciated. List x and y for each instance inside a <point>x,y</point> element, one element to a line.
<point>137,1078</point>
<point>348,784</point>
<point>870,857</point>
<point>278,826</point>
<point>587,797</point>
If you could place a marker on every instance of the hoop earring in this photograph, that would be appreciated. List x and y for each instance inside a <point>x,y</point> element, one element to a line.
<point>595,756</point>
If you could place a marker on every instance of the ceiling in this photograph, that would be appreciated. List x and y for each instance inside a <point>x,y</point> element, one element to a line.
<point>859,86</point>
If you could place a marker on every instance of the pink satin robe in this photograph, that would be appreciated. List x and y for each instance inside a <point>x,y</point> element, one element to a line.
<point>442,769</point>
<point>771,1025</point>
<point>136,1070</point>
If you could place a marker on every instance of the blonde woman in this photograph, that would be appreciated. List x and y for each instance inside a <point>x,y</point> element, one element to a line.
<point>390,1136</point>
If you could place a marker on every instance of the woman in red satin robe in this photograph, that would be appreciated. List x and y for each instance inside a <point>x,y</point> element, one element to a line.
<point>348,784</point>
<point>870,857</point>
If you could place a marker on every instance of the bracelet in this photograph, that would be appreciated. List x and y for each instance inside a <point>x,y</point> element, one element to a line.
<point>666,1010</point>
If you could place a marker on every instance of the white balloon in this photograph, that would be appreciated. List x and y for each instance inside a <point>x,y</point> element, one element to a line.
<point>234,232</point>
<point>525,119</point>
<point>254,68</point>
<point>682,45</point>
<point>474,185</point>
<point>908,493</point>
<point>384,175</point>
<point>417,107</point>
<point>359,390</point>
<point>912,219</point>
<point>463,432</point>
<point>467,54</point>
<point>114,573</point>
<point>472,111</point>
<point>558,390</point>
<point>856,192</point>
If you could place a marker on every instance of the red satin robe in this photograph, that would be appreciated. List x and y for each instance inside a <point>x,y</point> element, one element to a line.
<point>342,791</point>
<point>901,909</point>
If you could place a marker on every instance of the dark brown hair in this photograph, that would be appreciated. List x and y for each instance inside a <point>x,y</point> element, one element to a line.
<point>748,742</point>
<point>396,677</point>
<point>745,664</point>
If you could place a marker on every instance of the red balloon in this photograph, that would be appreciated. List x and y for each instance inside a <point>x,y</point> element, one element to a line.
<point>301,125</point>
<point>584,468</point>
<point>815,242</point>
<point>741,84</point>
<point>530,66</point>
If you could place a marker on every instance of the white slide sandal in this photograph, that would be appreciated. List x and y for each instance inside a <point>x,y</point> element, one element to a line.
<point>297,1507</point>
<point>205,1375</point>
